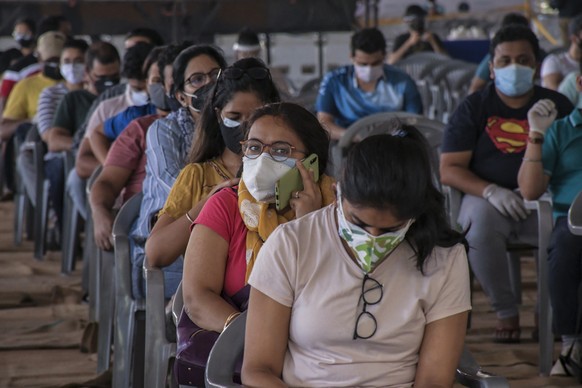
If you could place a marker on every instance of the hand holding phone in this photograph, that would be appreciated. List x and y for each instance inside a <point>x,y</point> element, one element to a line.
<point>295,180</point>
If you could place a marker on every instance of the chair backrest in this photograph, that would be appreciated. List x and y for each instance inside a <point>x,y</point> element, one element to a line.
<point>230,346</point>
<point>384,123</point>
<point>121,228</point>
<point>177,304</point>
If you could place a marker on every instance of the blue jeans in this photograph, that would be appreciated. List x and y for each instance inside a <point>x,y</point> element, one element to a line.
<point>564,259</point>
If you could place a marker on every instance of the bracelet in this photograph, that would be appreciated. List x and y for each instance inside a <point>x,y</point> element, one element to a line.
<point>535,140</point>
<point>230,319</point>
<point>189,218</point>
<point>531,160</point>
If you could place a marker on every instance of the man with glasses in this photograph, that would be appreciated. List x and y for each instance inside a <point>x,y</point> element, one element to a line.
<point>365,87</point>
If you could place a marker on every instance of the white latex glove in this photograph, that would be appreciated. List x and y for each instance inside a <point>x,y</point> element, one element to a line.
<point>541,115</point>
<point>506,202</point>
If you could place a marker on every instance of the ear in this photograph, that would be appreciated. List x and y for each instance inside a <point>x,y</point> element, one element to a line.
<point>181,98</point>
<point>579,83</point>
<point>491,72</point>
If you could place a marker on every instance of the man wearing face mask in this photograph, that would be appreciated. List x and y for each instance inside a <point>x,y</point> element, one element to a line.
<point>22,104</point>
<point>368,86</point>
<point>135,94</point>
<point>72,68</point>
<point>482,150</point>
<point>24,35</point>
<point>556,67</point>
<point>102,63</point>
<point>417,39</point>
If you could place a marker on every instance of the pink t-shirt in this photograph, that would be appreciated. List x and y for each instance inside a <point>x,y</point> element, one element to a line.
<point>128,151</point>
<point>221,214</point>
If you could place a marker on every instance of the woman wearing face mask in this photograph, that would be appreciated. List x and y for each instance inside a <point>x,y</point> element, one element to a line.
<point>215,157</point>
<point>234,223</point>
<point>168,141</point>
<point>370,291</point>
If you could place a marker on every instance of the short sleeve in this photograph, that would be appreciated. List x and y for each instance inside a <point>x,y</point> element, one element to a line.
<point>218,213</point>
<point>275,269</point>
<point>454,295</point>
<point>95,119</point>
<point>127,150</point>
<point>64,115</point>
<point>111,125</point>
<point>186,191</point>
<point>16,105</point>
<point>568,88</point>
<point>325,98</point>
<point>550,65</point>
<point>461,131</point>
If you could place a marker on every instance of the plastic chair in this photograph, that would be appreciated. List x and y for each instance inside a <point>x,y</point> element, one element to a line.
<point>71,219</point>
<point>23,210</point>
<point>230,345</point>
<point>575,216</point>
<point>90,263</point>
<point>159,349</point>
<point>543,209</point>
<point>129,336</point>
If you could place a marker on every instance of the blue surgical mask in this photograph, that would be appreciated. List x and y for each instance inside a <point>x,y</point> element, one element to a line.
<point>514,80</point>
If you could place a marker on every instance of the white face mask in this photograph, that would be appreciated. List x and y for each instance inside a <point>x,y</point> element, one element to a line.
<point>369,73</point>
<point>139,98</point>
<point>73,73</point>
<point>261,174</point>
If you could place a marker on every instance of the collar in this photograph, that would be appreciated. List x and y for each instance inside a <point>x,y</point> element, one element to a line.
<point>575,118</point>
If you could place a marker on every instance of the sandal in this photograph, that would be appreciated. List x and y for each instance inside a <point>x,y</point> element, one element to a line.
<point>507,335</point>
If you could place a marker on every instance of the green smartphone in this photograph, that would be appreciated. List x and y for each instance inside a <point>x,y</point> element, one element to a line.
<point>292,182</point>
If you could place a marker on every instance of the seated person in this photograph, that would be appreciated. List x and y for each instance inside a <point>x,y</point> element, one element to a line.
<point>323,309</point>
<point>135,67</point>
<point>417,39</point>
<point>231,228</point>
<point>168,142</point>
<point>557,66</point>
<point>553,160</point>
<point>365,87</point>
<point>483,72</point>
<point>124,166</point>
<point>215,157</point>
<point>482,148</point>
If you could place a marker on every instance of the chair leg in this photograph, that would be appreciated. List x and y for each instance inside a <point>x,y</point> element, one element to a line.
<point>70,235</point>
<point>19,214</point>
<point>40,222</point>
<point>91,271</point>
<point>106,310</point>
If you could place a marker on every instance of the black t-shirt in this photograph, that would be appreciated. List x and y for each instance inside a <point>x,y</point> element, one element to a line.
<point>496,133</point>
<point>72,110</point>
<point>418,47</point>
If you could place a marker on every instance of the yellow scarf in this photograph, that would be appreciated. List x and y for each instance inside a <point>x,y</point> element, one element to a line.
<point>261,220</point>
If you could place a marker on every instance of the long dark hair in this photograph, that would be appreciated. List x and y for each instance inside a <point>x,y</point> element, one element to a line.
<point>393,172</point>
<point>208,142</point>
<point>303,123</point>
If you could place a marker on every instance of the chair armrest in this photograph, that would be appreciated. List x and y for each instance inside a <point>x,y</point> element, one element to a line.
<point>225,353</point>
<point>470,374</point>
<point>575,215</point>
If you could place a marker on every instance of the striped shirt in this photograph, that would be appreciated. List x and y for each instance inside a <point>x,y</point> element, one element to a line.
<point>168,142</point>
<point>48,101</point>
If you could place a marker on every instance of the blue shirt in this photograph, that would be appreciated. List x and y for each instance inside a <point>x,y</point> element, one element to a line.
<point>562,161</point>
<point>340,96</point>
<point>113,126</point>
<point>168,142</point>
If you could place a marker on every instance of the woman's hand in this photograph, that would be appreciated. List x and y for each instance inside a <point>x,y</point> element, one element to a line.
<point>310,198</point>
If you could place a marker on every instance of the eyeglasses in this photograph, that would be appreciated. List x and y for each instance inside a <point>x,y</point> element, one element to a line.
<point>279,151</point>
<point>372,293</point>
<point>198,80</point>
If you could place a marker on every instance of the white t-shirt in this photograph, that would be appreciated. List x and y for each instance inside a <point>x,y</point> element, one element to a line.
<point>558,63</point>
<point>303,265</point>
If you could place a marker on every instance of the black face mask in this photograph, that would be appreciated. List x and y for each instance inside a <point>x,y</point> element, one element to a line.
<point>158,97</point>
<point>417,24</point>
<point>102,83</point>
<point>232,137</point>
<point>199,97</point>
<point>51,70</point>
<point>25,43</point>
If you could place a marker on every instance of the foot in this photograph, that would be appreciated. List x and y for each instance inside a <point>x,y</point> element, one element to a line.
<point>507,330</point>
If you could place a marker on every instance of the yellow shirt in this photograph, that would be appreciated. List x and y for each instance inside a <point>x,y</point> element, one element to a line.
<point>194,183</point>
<point>23,100</point>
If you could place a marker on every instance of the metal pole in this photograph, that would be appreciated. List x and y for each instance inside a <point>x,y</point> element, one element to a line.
<point>375,13</point>
<point>367,13</point>
<point>320,52</point>
<point>268,47</point>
